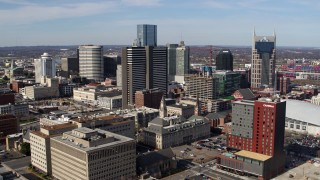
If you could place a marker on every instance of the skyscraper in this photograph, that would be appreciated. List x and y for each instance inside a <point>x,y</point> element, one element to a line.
<point>91,62</point>
<point>142,68</point>
<point>147,35</point>
<point>224,60</point>
<point>178,61</point>
<point>110,65</point>
<point>263,61</point>
<point>45,66</point>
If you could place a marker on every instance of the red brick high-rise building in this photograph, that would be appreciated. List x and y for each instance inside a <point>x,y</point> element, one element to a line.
<point>8,125</point>
<point>258,133</point>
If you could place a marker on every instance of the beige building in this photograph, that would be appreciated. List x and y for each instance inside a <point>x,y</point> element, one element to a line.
<point>49,88</point>
<point>177,109</point>
<point>124,126</point>
<point>91,94</point>
<point>172,131</point>
<point>84,154</point>
<point>40,145</point>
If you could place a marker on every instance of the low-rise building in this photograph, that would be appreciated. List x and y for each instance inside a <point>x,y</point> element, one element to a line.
<point>177,109</point>
<point>315,99</point>
<point>66,90</point>
<point>84,154</point>
<point>90,94</point>
<point>8,125</point>
<point>166,132</point>
<point>19,110</point>
<point>110,102</point>
<point>113,123</point>
<point>49,88</point>
<point>149,98</point>
<point>40,145</point>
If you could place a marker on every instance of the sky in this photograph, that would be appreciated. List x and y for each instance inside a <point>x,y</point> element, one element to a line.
<point>197,22</point>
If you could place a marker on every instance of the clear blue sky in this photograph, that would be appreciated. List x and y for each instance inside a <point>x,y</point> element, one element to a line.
<point>201,22</point>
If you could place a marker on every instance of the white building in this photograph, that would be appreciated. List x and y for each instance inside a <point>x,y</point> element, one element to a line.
<point>110,102</point>
<point>302,117</point>
<point>45,66</point>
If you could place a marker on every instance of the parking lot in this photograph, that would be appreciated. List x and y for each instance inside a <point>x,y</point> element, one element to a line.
<point>307,170</point>
<point>202,151</point>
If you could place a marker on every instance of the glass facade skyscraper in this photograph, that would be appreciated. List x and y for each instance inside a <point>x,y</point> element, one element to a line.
<point>224,60</point>
<point>147,35</point>
<point>263,61</point>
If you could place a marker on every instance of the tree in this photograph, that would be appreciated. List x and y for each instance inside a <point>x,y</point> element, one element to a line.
<point>25,148</point>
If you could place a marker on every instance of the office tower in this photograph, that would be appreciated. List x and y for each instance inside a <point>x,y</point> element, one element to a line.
<point>263,61</point>
<point>91,62</point>
<point>147,35</point>
<point>142,68</point>
<point>84,153</point>
<point>40,145</point>
<point>178,61</point>
<point>45,66</point>
<point>110,65</point>
<point>258,133</point>
<point>224,60</point>
<point>204,87</point>
<point>69,66</point>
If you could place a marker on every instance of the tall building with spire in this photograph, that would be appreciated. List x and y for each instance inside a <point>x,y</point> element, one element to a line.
<point>263,61</point>
<point>163,108</point>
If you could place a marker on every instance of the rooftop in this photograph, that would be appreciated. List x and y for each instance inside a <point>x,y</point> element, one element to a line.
<point>294,109</point>
<point>182,106</point>
<point>252,155</point>
<point>59,126</point>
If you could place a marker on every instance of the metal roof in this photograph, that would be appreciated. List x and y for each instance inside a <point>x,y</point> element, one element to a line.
<point>303,111</point>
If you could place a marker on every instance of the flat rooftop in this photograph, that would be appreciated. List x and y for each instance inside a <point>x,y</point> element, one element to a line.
<point>252,155</point>
<point>59,126</point>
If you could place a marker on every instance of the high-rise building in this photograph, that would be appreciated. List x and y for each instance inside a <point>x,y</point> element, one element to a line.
<point>8,125</point>
<point>69,66</point>
<point>45,66</point>
<point>258,133</point>
<point>204,87</point>
<point>263,61</point>
<point>84,153</point>
<point>178,61</point>
<point>224,60</point>
<point>91,62</point>
<point>110,65</point>
<point>142,68</point>
<point>147,35</point>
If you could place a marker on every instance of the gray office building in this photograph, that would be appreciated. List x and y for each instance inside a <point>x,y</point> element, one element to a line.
<point>263,61</point>
<point>178,61</point>
<point>91,62</point>
<point>142,68</point>
<point>147,35</point>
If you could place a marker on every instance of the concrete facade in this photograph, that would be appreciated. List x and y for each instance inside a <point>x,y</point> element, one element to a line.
<point>93,154</point>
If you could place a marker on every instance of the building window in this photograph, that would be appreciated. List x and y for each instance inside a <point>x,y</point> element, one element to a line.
<point>286,125</point>
<point>297,126</point>
<point>304,127</point>
<point>291,125</point>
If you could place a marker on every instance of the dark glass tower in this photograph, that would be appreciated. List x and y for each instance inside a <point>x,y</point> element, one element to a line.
<point>147,35</point>
<point>224,60</point>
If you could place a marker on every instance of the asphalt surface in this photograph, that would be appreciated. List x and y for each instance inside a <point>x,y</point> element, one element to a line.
<point>19,163</point>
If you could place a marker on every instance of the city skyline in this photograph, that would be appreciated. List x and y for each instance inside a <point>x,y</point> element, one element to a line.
<point>209,22</point>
